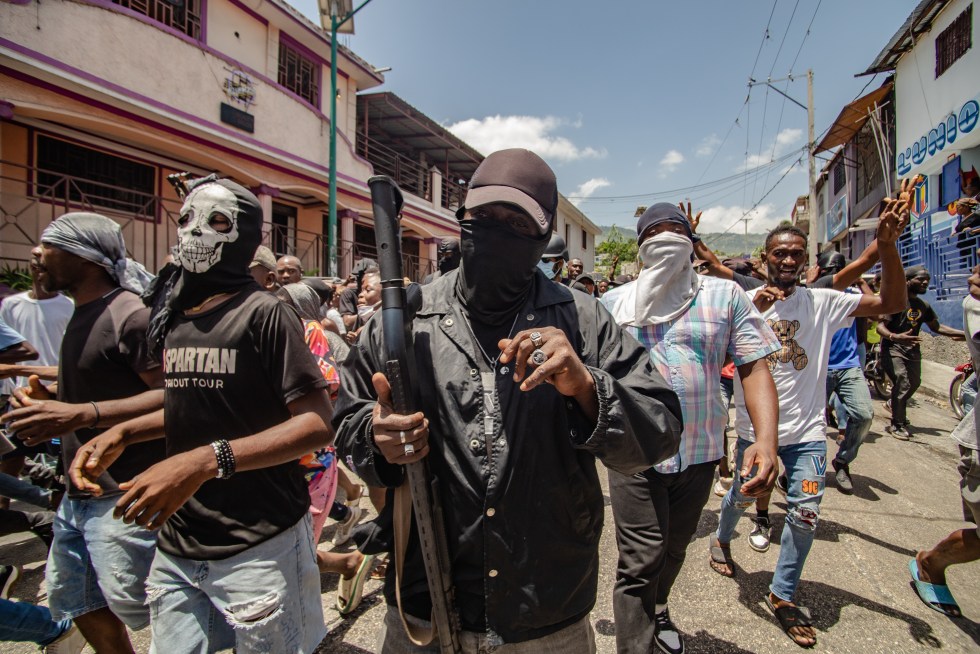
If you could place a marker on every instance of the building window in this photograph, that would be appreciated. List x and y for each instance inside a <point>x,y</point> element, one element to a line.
<point>868,175</point>
<point>67,171</point>
<point>840,177</point>
<point>953,42</point>
<point>299,73</point>
<point>585,240</point>
<point>181,15</point>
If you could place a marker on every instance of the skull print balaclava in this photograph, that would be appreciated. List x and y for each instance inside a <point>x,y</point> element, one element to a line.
<point>208,261</point>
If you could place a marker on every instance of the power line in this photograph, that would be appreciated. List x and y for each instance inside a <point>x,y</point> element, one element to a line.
<point>684,189</point>
<point>754,206</point>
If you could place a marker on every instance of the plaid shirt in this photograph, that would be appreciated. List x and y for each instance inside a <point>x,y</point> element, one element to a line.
<point>690,352</point>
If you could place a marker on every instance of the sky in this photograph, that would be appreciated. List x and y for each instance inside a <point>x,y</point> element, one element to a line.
<point>633,103</point>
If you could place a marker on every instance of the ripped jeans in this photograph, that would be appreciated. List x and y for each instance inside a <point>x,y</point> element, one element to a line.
<point>806,465</point>
<point>265,599</point>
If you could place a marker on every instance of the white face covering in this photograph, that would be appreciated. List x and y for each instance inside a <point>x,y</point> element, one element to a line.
<point>665,287</point>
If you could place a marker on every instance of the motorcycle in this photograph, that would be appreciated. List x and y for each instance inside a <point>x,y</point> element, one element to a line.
<point>963,389</point>
<point>874,373</point>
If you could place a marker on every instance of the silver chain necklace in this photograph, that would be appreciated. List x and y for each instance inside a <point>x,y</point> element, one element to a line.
<point>492,362</point>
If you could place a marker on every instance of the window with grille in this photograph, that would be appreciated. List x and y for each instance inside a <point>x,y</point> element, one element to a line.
<point>181,15</point>
<point>840,177</point>
<point>299,73</point>
<point>68,171</point>
<point>953,42</point>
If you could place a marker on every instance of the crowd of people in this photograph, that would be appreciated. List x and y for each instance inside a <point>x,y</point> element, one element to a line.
<point>193,427</point>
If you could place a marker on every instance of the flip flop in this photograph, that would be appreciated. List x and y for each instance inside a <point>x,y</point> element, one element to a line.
<point>792,616</point>
<point>349,591</point>
<point>722,555</point>
<point>936,596</point>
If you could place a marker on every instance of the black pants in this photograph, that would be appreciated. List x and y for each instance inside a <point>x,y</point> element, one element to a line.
<point>906,375</point>
<point>15,522</point>
<point>656,517</point>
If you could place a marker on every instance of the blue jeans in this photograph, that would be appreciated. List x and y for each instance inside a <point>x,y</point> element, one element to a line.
<point>23,622</point>
<point>851,389</point>
<point>805,464</point>
<point>24,491</point>
<point>265,599</point>
<point>97,561</point>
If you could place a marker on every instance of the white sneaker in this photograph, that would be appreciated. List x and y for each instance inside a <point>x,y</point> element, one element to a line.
<point>342,535</point>
<point>70,642</point>
<point>759,538</point>
<point>722,485</point>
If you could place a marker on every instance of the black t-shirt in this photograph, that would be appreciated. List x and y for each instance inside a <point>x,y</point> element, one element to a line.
<point>911,319</point>
<point>747,282</point>
<point>230,372</point>
<point>827,281</point>
<point>347,304</point>
<point>102,354</point>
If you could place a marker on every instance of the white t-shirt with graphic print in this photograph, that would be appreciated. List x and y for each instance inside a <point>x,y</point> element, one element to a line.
<point>805,323</point>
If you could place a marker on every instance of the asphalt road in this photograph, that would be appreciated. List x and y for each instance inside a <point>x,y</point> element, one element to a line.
<point>855,582</point>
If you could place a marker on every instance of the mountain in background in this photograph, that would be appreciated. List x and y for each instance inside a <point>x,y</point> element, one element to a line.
<point>728,244</point>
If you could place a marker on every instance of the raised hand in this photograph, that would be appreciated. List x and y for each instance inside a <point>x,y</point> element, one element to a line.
<point>695,220</point>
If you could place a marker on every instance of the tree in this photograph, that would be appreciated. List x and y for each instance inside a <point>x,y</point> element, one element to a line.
<point>616,249</point>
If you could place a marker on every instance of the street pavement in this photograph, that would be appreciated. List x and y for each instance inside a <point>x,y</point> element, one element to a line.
<point>856,582</point>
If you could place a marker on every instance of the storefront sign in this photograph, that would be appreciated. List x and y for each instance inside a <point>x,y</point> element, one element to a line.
<point>953,126</point>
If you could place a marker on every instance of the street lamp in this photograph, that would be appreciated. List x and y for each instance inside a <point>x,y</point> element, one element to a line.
<point>340,13</point>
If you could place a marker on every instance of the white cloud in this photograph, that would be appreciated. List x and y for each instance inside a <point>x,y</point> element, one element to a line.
<point>784,142</point>
<point>719,218</point>
<point>707,146</point>
<point>670,162</point>
<point>587,188</point>
<point>532,132</point>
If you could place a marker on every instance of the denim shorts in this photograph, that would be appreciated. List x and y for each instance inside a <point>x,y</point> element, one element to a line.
<point>969,468</point>
<point>97,561</point>
<point>265,599</point>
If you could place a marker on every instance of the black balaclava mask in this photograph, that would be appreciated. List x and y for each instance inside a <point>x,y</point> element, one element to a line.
<point>207,262</point>
<point>448,255</point>
<point>496,270</point>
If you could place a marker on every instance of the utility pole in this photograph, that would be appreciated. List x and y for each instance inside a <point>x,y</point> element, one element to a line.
<point>811,160</point>
<point>811,148</point>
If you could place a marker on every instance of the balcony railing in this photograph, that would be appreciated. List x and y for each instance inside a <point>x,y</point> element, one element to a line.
<point>410,175</point>
<point>311,249</point>
<point>148,222</point>
<point>27,206</point>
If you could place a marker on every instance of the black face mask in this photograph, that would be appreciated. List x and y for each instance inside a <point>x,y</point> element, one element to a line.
<point>496,271</point>
<point>449,263</point>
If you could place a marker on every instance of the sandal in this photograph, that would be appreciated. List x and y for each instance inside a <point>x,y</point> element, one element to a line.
<point>350,591</point>
<point>722,555</point>
<point>792,616</point>
<point>936,596</point>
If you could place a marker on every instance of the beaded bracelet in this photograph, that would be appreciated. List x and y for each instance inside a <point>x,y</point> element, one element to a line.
<point>225,458</point>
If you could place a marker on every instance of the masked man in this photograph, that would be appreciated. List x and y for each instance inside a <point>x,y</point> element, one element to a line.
<point>523,384</point>
<point>244,400</point>
<point>448,259</point>
<point>690,324</point>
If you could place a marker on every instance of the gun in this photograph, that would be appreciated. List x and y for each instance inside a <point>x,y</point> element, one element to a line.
<point>399,362</point>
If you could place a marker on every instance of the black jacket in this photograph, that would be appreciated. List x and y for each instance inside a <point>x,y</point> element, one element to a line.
<point>530,567</point>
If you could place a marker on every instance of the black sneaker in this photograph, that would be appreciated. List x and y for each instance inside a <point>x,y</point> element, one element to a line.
<point>843,476</point>
<point>665,634</point>
<point>9,574</point>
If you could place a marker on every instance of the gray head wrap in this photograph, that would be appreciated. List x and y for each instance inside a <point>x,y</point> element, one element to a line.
<point>97,239</point>
<point>305,299</point>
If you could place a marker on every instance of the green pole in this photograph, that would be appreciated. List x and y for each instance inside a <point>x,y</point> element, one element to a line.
<point>332,202</point>
<point>335,24</point>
